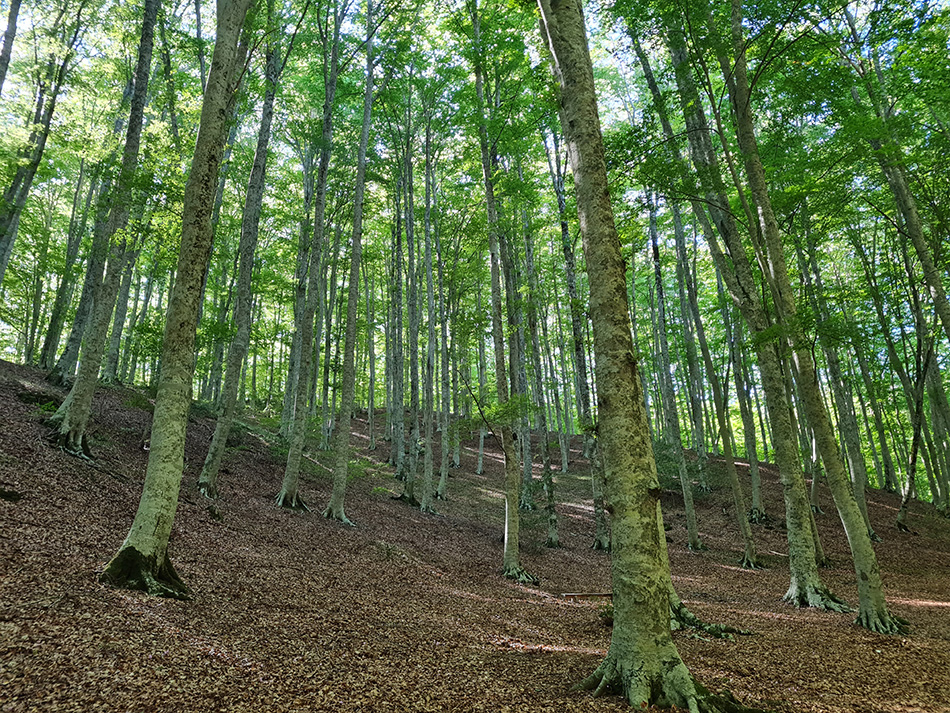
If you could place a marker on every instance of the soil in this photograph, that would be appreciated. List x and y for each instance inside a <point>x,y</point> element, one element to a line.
<point>406,612</point>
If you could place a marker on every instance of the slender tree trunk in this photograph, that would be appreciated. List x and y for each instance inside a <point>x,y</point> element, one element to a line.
<point>73,415</point>
<point>341,437</point>
<point>142,561</point>
<point>289,496</point>
<point>671,425</point>
<point>8,36</point>
<point>873,612</point>
<point>250,229</point>
<point>511,565</point>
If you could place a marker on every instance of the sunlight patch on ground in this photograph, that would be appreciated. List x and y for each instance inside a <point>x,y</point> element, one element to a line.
<point>920,603</point>
<point>505,642</point>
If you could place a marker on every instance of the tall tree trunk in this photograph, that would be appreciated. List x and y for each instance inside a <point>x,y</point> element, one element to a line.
<point>73,415</point>
<point>9,35</point>
<point>671,426</point>
<point>806,587</point>
<point>341,435</point>
<point>289,496</point>
<point>67,284</point>
<point>250,229</point>
<point>642,660</point>
<point>511,565</point>
<point>873,613</point>
<point>142,561</point>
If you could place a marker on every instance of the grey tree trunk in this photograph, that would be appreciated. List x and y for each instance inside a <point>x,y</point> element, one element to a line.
<point>511,564</point>
<point>142,561</point>
<point>51,79</point>
<point>671,426</point>
<point>250,229</point>
<point>9,35</point>
<point>806,587</point>
<point>428,408</point>
<point>873,612</point>
<point>341,436</point>
<point>73,415</point>
<point>67,284</point>
<point>289,497</point>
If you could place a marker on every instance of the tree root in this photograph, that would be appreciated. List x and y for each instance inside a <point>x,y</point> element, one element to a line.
<point>521,575</point>
<point>71,444</point>
<point>331,514</point>
<point>681,618</point>
<point>882,623</point>
<point>601,544</point>
<point>291,502</point>
<point>208,489</point>
<point>428,509</point>
<point>748,562</point>
<point>819,597</point>
<point>673,686</point>
<point>130,569</point>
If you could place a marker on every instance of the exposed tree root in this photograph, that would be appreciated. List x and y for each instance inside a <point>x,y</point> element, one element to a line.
<point>672,685</point>
<point>428,509</point>
<point>749,562</point>
<point>681,617</point>
<point>874,536</point>
<point>291,502</point>
<point>76,445</point>
<point>520,575</point>
<point>130,569</point>
<point>819,597</point>
<point>407,498</point>
<point>882,623</point>
<point>331,514</point>
<point>601,543</point>
<point>553,542</point>
<point>208,489</point>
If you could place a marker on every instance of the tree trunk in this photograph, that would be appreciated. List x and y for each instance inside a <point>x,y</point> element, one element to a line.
<point>511,565</point>
<point>289,496</point>
<point>642,660</point>
<point>142,561</point>
<point>8,36</point>
<point>873,612</point>
<point>73,415</point>
<point>250,229</point>
<point>671,425</point>
<point>341,436</point>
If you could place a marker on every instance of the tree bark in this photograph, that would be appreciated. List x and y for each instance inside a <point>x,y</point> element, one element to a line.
<point>250,229</point>
<point>142,561</point>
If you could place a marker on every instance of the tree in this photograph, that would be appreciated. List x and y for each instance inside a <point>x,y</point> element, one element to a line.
<point>642,660</point>
<point>142,561</point>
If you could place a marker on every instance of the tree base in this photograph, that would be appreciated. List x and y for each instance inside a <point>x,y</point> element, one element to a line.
<point>208,489</point>
<point>291,502</point>
<point>759,517</point>
<point>553,542</point>
<point>72,444</point>
<point>749,562</point>
<point>333,514</point>
<point>666,683</point>
<point>882,622</point>
<point>816,596</point>
<point>130,569</point>
<point>520,575</point>
<point>601,544</point>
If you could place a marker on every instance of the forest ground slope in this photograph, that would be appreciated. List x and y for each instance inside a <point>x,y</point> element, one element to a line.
<point>405,612</point>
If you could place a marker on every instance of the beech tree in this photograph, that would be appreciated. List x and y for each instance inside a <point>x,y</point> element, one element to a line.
<point>142,561</point>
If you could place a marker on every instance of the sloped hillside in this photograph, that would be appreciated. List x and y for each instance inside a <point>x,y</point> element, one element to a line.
<point>405,612</point>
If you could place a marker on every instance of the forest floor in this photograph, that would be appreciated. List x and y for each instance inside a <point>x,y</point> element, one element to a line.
<point>405,612</point>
